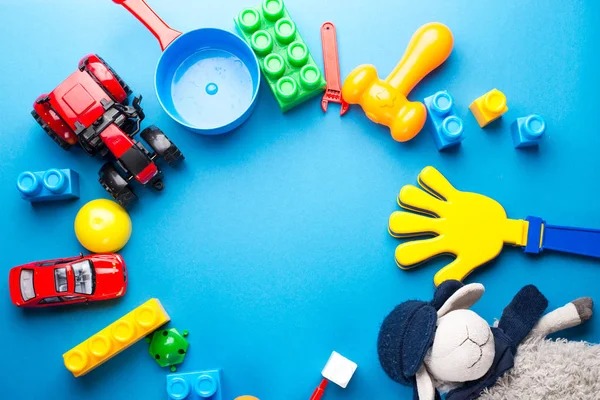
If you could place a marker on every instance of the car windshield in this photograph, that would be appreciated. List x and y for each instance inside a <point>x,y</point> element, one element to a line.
<point>84,276</point>
<point>60,279</point>
<point>27,290</point>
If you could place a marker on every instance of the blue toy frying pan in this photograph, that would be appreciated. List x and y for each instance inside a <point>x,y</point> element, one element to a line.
<point>206,79</point>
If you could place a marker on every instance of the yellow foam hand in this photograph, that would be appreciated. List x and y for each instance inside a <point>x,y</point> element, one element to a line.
<point>470,226</point>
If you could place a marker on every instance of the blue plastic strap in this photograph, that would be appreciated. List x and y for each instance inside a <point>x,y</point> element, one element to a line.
<point>534,234</point>
<point>585,242</point>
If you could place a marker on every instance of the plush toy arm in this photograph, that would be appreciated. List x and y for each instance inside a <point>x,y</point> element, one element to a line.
<point>572,314</point>
<point>522,314</point>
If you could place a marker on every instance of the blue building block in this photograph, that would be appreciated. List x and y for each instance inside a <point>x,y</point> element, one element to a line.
<point>527,131</point>
<point>445,126</point>
<point>195,385</point>
<point>50,185</point>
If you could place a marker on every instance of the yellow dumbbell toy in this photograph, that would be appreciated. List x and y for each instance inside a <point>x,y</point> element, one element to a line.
<point>384,101</point>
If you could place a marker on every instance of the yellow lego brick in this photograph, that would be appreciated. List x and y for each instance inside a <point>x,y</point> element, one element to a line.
<point>115,338</point>
<point>489,107</point>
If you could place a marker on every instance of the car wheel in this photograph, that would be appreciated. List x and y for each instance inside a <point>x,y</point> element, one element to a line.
<point>161,145</point>
<point>114,183</point>
<point>53,135</point>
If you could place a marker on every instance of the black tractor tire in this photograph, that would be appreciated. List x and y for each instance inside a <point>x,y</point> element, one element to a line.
<point>114,183</point>
<point>53,135</point>
<point>161,145</point>
<point>119,79</point>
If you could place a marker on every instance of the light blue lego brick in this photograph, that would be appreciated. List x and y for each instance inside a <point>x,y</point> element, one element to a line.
<point>527,131</point>
<point>53,184</point>
<point>195,385</point>
<point>443,123</point>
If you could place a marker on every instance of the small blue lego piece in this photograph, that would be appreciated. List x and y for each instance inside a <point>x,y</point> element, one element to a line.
<point>445,126</point>
<point>527,131</point>
<point>53,184</point>
<point>195,385</point>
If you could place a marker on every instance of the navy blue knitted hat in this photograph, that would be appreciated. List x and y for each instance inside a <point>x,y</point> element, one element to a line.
<point>407,334</point>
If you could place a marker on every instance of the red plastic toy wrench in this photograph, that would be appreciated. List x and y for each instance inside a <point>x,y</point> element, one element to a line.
<point>333,91</point>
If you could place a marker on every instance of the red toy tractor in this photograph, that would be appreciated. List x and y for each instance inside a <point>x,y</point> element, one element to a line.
<point>91,108</point>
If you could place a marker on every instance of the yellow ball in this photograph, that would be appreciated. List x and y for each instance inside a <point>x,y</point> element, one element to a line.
<point>102,226</point>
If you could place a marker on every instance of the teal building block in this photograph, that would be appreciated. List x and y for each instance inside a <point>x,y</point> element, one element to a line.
<point>53,184</point>
<point>443,123</point>
<point>195,385</point>
<point>527,131</point>
<point>284,58</point>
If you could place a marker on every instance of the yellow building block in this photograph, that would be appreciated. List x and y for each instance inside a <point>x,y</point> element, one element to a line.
<point>489,107</point>
<point>115,338</point>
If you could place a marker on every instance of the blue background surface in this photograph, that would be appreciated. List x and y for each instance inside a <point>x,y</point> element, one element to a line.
<point>270,245</point>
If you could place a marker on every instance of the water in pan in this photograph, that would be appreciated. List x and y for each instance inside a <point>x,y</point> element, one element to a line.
<point>211,88</point>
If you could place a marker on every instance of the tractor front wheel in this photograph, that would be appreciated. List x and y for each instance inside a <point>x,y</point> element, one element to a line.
<point>161,145</point>
<point>114,183</point>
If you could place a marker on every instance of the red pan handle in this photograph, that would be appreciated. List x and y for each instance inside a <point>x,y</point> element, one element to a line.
<point>148,17</point>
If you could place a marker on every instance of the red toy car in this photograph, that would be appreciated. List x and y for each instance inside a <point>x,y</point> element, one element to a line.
<point>77,279</point>
<point>91,108</point>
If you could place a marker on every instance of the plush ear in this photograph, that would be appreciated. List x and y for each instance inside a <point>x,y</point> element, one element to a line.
<point>425,387</point>
<point>444,291</point>
<point>462,299</point>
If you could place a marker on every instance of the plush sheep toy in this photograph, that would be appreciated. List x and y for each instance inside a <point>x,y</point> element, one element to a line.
<point>443,347</point>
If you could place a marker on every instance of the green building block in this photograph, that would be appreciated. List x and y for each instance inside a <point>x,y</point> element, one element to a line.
<point>283,56</point>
